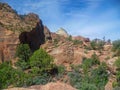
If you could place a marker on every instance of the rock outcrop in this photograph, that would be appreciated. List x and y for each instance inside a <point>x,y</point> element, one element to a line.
<point>49,86</point>
<point>62,32</point>
<point>47,33</point>
<point>34,38</point>
<point>8,43</point>
<point>16,29</point>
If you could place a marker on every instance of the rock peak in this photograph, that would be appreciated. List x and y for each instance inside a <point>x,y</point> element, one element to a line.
<point>62,32</point>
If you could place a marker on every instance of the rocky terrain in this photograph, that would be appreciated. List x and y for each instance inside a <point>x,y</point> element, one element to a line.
<point>65,49</point>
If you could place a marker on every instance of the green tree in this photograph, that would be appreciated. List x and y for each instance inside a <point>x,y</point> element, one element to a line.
<point>41,61</point>
<point>23,52</point>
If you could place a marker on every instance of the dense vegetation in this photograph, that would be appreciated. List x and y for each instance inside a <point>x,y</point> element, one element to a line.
<point>97,45</point>
<point>91,75</point>
<point>117,83</point>
<point>31,69</point>
<point>116,49</point>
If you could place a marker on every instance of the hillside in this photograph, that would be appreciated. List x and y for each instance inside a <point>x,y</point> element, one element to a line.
<point>74,62</point>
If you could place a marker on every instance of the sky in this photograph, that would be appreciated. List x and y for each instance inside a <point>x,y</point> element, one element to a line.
<point>88,18</point>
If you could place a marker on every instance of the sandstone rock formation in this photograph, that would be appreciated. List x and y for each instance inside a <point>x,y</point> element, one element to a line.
<point>10,20</point>
<point>62,32</point>
<point>8,43</point>
<point>34,38</point>
<point>49,86</point>
<point>47,33</point>
<point>16,29</point>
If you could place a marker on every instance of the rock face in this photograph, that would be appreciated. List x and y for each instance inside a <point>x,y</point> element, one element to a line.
<point>62,32</point>
<point>34,38</point>
<point>49,86</point>
<point>16,29</point>
<point>8,43</point>
<point>10,20</point>
<point>47,33</point>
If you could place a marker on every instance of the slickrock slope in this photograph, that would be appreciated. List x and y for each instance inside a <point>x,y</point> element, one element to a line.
<point>49,86</point>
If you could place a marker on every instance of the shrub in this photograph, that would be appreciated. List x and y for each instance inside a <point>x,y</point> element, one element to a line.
<point>89,62</point>
<point>76,42</point>
<point>100,76</point>
<point>6,72</point>
<point>61,69</point>
<point>10,76</point>
<point>117,63</point>
<point>41,61</point>
<point>41,79</point>
<point>116,47</point>
<point>75,79</point>
<point>23,52</point>
<point>88,86</point>
<point>97,45</point>
<point>95,59</point>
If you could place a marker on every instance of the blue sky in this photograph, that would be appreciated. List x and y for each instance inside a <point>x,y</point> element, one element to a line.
<point>89,18</point>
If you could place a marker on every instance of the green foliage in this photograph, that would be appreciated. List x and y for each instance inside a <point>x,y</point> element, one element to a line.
<point>116,88</point>
<point>61,69</point>
<point>117,63</point>
<point>11,76</point>
<point>76,42</point>
<point>41,61</point>
<point>93,45</point>
<point>42,79</point>
<point>89,62</point>
<point>6,72</point>
<point>97,45</point>
<point>22,64</point>
<point>88,86</point>
<point>100,76</point>
<point>95,59</point>
<point>23,52</point>
<point>75,78</point>
<point>116,47</point>
<point>92,79</point>
<point>69,38</point>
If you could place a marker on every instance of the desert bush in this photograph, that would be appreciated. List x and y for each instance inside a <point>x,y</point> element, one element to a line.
<point>99,76</point>
<point>117,63</point>
<point>116,45</point>
<point>75,79</point>
<point>97,45</point>
<point>95,59</point>
<point>87,63</point>
<point>76,42</point>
